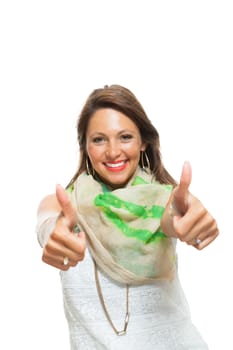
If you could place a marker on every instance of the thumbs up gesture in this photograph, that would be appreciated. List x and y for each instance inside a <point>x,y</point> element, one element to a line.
<point>185,216</point>
<point>65,247</point>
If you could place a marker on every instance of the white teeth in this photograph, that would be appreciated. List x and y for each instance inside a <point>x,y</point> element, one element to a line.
<point>114,165</point>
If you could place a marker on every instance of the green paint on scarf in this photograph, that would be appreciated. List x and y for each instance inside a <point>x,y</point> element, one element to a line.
<point>107,201</point>
<point>142,234</point>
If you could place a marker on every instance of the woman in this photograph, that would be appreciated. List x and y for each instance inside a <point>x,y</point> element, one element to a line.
<point>116,225</point>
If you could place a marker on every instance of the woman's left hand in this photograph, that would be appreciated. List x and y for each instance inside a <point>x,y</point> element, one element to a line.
<point>189,220</point>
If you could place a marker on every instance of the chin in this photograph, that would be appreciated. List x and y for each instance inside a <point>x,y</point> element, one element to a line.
<point>114,183</point>
<point>116,179</point>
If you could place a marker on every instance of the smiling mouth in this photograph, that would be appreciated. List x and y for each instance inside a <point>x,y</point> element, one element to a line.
<point>116,166</point>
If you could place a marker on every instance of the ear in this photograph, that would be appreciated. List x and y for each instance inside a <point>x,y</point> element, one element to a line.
<point>143,147</point>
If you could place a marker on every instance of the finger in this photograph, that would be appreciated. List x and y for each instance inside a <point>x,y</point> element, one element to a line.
<point>54,252</point>
<point>180,198</point>
<point>66,244</point>
<point>206,241</point>
<point>196,220</point>
<point>74,243</point>
<point>186,176</point>
<point>55,263</point>
<point>204,237</point>
<point>59,260</point>
<point>66,206</point>
<point>189,227</point>
<point>208,237</point>
<point>74,252</point>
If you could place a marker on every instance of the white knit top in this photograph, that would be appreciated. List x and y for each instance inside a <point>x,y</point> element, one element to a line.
<point>159,314</point>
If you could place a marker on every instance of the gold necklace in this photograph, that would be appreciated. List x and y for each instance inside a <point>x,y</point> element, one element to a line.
<point>100,294</point>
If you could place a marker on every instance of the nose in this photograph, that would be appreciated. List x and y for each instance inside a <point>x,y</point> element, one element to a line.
<point>113,150</point>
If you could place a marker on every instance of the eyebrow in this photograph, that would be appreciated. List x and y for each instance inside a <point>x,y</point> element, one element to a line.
<point>119,133</point>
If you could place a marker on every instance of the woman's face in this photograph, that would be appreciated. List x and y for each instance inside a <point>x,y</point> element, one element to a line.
<point>113,146</point>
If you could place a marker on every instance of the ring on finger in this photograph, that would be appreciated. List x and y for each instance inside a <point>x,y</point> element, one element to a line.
<point>76,230</point>
<point>65,261</point>
<point>198,241</point>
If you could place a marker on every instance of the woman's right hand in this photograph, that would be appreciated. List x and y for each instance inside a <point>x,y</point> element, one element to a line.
<point>64,247</point>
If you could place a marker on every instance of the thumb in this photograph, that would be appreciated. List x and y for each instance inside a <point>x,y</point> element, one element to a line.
<point>180,197</point>
<point>66,205</point>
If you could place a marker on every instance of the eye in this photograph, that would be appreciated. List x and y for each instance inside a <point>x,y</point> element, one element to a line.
<point>98,139</point>
<point>126,137</point>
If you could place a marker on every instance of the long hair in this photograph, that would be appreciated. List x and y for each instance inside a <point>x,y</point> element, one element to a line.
<point>123,100</point>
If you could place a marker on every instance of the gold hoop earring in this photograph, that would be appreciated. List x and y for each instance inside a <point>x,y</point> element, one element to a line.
<point>146,166</point>
<point>88,170</point>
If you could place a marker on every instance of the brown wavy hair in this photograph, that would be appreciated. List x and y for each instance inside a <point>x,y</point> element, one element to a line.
<point>123,100</point>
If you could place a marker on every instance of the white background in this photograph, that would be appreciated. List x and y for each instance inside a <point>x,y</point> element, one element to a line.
<point>176,56</point>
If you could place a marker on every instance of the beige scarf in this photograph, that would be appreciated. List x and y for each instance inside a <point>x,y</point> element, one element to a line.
<point>123,228</point>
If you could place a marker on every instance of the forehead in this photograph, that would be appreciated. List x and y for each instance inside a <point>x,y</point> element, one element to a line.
<point>108,119</point>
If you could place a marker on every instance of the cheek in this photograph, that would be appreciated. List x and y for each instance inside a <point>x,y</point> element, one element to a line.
<point>133,150</point>
<point>93,153</point>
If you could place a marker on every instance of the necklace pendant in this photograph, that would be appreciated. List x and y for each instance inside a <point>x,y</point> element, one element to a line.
<point>121,332</point>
